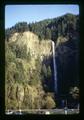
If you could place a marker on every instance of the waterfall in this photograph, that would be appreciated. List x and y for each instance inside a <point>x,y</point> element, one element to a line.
<point>54,66</point>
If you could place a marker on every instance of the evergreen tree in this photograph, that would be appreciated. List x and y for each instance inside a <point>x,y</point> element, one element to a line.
<point>48,33</point>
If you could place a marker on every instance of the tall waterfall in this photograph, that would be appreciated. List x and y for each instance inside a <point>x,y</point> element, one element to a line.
<point>54,66</point>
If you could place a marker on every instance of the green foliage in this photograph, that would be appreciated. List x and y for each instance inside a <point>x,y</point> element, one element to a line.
<point>34,78</point>
<point>10,71</point>
<point>47,77</point>
<point>49,28</point>
<point>44,71</point>
<point>28,56</point>
<point>49,72</point>
<point>9,55</point>
<point>38,64</point>
<point>22,80</point>
<point>21,51</point>
<point>74,91</point>
<point>48,33</point>
<point>49,102</point>
<point>10,96</point>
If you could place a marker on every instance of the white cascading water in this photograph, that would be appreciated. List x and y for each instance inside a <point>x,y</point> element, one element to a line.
<point>55,68</point>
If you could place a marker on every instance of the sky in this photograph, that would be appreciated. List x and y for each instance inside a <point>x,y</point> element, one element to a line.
<point>34,13</point>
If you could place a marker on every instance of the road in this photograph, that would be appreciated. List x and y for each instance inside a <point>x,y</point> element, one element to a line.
<point>44,111</point>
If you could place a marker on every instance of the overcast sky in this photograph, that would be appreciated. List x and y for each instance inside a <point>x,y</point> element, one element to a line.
<point>32,13</point>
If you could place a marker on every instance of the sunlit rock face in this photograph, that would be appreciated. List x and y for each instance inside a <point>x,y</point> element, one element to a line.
<point>34,45</point>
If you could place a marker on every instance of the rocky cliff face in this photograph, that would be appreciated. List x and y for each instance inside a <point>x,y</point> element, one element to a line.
<point>26,56</point>
<point>32,43</point>
<point>67,55</point>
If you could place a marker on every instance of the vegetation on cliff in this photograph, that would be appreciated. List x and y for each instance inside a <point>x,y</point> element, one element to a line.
<point>28,62</point>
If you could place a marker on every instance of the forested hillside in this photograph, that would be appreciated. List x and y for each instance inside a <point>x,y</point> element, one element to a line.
<point>67,24</point>
<point>29,81</point>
